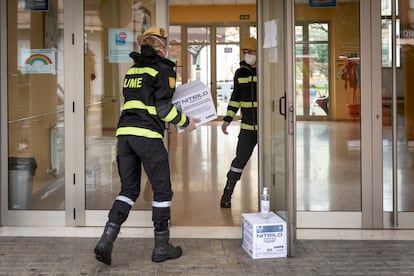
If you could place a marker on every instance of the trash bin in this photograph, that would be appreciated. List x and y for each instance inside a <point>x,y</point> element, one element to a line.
<point>21,172</point>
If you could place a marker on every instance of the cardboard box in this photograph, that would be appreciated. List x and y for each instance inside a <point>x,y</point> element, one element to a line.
<point>194,100</point>
<point>264,237</point>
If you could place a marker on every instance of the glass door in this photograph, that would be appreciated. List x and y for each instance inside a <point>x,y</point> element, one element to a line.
<point>328,132</point>
<point>36,94</point>
<point>111,30</point>
<point>62,111</point>
<point>397,18</point>
<point>199,54</point>
<point>312,69</point>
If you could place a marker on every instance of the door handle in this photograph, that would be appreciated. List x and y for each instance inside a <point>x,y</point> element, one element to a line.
<point>282,103</point>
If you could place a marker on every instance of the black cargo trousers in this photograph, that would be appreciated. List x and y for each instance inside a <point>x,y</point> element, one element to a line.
<point>134,151</point>
<point>245,146</point>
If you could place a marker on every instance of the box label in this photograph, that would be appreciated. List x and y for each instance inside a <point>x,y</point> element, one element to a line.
<point>269,228</point>
<point>194,100</point>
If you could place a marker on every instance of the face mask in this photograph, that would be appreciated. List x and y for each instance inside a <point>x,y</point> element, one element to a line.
<point>250,59</point>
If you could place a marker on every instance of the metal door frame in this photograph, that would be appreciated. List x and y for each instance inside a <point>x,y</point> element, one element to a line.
<point>137,218</point>
<point>20,217</point>
<point>282,103</point>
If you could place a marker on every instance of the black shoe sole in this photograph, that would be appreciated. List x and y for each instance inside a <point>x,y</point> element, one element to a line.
<point>158,259</point>
<point>102,257</point>
<point>163,259</point>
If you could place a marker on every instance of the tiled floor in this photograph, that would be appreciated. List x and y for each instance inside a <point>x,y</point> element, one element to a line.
<point>132,256</point>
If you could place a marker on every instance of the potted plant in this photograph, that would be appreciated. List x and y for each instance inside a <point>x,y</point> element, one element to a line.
<point>350,72</point>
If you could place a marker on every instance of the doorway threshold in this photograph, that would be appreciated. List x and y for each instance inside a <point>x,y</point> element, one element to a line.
<point>355,234</point>
<point>197,232</point>
<point>206,232</point>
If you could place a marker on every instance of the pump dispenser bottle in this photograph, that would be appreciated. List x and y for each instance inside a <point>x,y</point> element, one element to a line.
<point>264,203</point>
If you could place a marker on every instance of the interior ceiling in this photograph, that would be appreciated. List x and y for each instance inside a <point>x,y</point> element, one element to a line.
<point>210,2</point>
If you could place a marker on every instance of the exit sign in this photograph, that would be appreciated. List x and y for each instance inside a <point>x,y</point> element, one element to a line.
<point>244,16</point>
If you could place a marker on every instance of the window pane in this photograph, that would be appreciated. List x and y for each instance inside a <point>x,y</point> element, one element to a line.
<point>197,35</point>
<point>253,31</point>
<point>227,34</point>
<point>298,33</point>
<point>386,46</point>
<point>318,32</point>
<point>386,7</point>
<point>174,34</point>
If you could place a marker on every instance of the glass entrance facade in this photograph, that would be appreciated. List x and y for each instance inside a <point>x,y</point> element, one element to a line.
<point>330,154</point>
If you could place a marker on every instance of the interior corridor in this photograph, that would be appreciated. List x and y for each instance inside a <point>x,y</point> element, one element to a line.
<point>199,164</point>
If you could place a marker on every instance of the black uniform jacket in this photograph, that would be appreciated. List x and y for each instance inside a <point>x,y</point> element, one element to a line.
<point>244,97</point>
<point>148,89</point>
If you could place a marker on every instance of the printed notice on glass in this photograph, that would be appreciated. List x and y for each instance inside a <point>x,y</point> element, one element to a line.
<point>270,37</point>
<point>194,100</point>
<point>322,3</point>
<point>37,61</point>
<point>120,42</point>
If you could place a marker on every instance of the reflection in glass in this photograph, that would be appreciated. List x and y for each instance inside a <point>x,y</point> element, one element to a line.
<point>36,107</point>
<point>103,96</point>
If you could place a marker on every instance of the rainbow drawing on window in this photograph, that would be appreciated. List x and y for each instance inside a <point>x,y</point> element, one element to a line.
<point>38,58</point>
<point>37,61</point>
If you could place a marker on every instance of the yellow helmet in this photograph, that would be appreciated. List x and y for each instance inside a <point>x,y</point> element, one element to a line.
<point>249,43</point>
<point>160,32</point>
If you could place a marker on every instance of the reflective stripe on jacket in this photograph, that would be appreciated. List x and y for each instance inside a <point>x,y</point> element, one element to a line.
<point>244,97</point>
<point>148,89</point>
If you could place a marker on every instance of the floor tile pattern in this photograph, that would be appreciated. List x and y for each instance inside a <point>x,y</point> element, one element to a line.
<point>132,256</point>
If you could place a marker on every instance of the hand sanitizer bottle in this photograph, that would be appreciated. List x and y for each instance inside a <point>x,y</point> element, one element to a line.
<point>264,203</point>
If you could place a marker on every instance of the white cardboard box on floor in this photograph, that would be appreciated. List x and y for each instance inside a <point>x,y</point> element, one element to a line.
<point>264,237</point>
<point>194,100</point>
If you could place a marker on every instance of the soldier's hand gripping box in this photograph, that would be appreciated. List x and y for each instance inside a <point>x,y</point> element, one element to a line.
<point>194,100</point>
<point>264,237</point>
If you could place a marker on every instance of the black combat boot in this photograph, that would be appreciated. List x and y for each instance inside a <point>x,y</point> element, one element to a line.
<point>225,201</point>
<point>103,250</point>
<point>163,250</point>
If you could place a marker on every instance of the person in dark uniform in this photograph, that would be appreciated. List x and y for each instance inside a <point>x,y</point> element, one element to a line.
<point>148,88</point>
<point>244,98</point>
